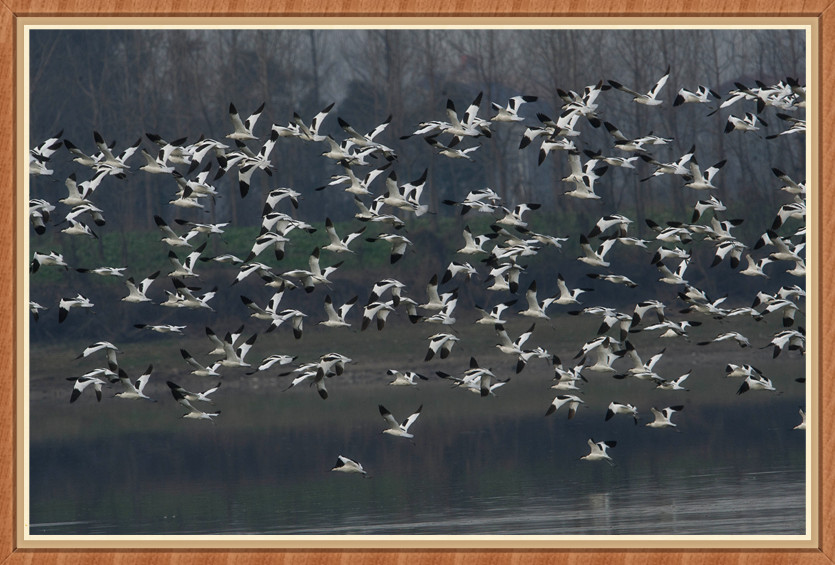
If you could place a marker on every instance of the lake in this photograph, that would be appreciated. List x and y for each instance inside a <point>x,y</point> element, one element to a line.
<point>494,465</point>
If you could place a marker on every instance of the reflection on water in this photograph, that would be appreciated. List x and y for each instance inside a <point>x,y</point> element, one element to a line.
<point>260,471</point>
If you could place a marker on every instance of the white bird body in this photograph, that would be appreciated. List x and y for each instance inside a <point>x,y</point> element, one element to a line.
<point>337,244</point>
<point>65,304</point>
<point>200,370</point>
<point>598,451</point>
<point>85,381</point>
<point>662,417</point>
<point>404,378</point>
<point>510,112</point>
<point>756,382</point>
<point>243,130</point>
<point>592,257</point>
<point>674,384</point>
<point>620,408</point>
<point>336,319</point>
<point>700,180</point>
<point>648,98</point>
<point>182,394</point>
<point>397,429</point>
<point>441,344</point>
<point>561,400</point>
<point>135,391</point>
<point>136,293</point>
<point>345,465</point>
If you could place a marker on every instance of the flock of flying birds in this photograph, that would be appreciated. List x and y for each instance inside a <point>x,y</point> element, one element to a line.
<point>494,260</point>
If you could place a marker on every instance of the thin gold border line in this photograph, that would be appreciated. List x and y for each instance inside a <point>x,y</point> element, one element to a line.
<point>810,540</point>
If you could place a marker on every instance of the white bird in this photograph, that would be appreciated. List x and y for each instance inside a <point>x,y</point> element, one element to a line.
<point>185,268</point>
<point>598,451</point>
<point>788,307</point>
<point>82,383</point>
<point>566,295</point>
<point>755,268</point>
<point>748,123</point>
<point>791,186</point>
<point>673,329</point>
<point>337,319</point>
<point>703,181</point>
<point>357,186</point>
<point>476,379</point>
<point>756,382</point>
<point>395,428</point>
<point>405,378</point>
<point>484,200</point>
<point>701,96</point>
<point>407,196</point>
<point>441,344</point>
<point>571,400</point>
<point>494,316</point>
<point>398,244</point>
<point>314,275</point>
<point>193,412</point>
<point>791,339</point>
<point>135,391</point>
<point>465,127</point>
<point>475,244</point>
<point>104,271</point>
<point>156,165</point>
<point>51,259</point>
<point>311,132</point>
<point>35,309</point>
<point>451,150</point>
<point>740,339</point>
<point>662,417</point>
<point>535,309</point>
<point>243,130</point>
<point>510,113</point>
<point>802,424</point>
<point>583,177</point>
<point>200,370</point>
<point>268,313</point>
<point>620,408</point>
<point>669,277</point>
<point>733,370</point>
<point>394,285</point>
<point>592,257</point>
<point>109,350</point>
<point>337,244</point>
<point>614,279</point>
<point>161,328</point>
<point>65,304</point>
<point>509,346</point>
<point>136,293</point>
<point>649,98</point>
<point>345,465</point>
<point>296,318</point>
<point>702,206</point>
<point>181,393</point>
<point>376,310</point>
<point>455,268</point>
<point>271,360</point>
<point>603,352</point>
<point>640,369</point>
<point>367,140</point>
<point>171,238</point>
<point>234,357</point>
<point>674,384</point>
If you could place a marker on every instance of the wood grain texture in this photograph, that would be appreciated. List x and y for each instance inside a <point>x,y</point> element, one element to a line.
<point>10,9</point>
<point>419,7</point>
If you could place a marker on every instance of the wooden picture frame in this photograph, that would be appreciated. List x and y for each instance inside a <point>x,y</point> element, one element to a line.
<point>10,551</point>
